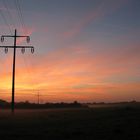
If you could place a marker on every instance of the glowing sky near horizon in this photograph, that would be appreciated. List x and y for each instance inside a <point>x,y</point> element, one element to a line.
<point>85,50</point>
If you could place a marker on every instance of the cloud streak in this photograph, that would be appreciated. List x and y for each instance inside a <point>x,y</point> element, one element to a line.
<point>103,9</point>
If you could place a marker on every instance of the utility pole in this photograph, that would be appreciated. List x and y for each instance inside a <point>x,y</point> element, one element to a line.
<point>15,46</point>
<point>38,97</point>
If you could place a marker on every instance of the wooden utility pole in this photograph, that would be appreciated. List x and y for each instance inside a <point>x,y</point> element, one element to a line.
<point>15,36</point>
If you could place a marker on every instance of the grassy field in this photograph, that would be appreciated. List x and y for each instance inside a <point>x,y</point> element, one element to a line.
<point>102,123</point>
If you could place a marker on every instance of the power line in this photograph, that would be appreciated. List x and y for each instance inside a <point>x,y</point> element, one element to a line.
<point>8,12</point>
<point>20,15</point>
<point>20,11</point>
<point>5,20</point>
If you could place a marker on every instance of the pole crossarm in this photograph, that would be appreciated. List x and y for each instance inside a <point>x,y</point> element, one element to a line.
<point>17,47</point>
<point>13,36</point>
<point>6,36</point>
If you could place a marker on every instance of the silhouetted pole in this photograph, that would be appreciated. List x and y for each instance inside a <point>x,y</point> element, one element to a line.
<point>14,60</point>
<point>38,98</point>
<point>13,78</point>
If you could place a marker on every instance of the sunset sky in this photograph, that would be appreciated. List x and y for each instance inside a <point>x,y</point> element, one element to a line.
<point>85,50</point>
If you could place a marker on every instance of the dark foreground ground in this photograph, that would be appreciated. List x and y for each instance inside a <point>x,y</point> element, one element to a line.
<point>103,123</point>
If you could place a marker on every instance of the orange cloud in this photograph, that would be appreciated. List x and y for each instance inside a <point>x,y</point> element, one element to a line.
<point>74,73</point>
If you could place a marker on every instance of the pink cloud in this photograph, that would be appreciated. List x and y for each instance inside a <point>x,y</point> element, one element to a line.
<point>102,10</point>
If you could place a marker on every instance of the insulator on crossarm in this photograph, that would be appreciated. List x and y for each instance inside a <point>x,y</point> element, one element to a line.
<point>6,50</point>
<point>23,50</point>
<point>2,38</point>
<point>28,39</point>
<point>32,50</point>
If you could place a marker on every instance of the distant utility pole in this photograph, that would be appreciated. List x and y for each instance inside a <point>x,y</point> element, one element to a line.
<point>15,36</point>
<point>38,98</point>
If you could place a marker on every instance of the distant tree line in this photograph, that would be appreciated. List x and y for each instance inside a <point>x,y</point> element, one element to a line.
<point>28,105</point>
